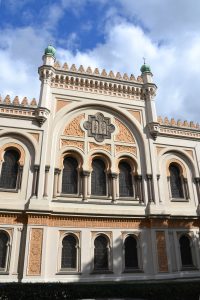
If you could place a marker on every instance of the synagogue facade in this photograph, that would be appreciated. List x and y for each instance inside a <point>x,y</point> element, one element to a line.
<point>94,186</point>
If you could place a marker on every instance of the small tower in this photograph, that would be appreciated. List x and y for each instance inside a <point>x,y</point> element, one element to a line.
<point>46,72</point>
<point>49,56</point>
<point>146,73</point>
<point>150,92</point>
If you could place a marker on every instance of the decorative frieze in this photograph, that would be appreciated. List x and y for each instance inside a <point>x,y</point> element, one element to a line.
<point>122,148</point>
<point>106,147</point>
<point>35,252</point>
<point>72,143</point>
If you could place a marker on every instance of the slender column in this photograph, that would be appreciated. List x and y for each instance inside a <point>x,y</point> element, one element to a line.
<point>197,182</point>
<point>150,188</point>
<point>158,184</point>
<point>186,189</point>
<point>139,193</point>
<point>46,180</point>
<point>55,186</point>
<point>17,250</point>
<point>113,177</point>
<point>85,175</point>
<point>19,180</point>
<point>35,180</point>
<point>59,183</point>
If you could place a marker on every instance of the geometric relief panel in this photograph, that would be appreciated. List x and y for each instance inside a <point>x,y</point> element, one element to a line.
<point>35,251</point>
<point>124,134</point>
<point>161,251</point>
<point>74,128</point>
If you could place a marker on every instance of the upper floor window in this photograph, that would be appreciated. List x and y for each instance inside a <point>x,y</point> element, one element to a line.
<point>98,179</point>
<point>4,249</point>
<point>186,253</point>
<point>125,180</point>
<point>69,253</point>
<point>101,253</point>
<point>131,255</point>
<point>9,170</point>
<point>70,176</point>
<point>175,182</point>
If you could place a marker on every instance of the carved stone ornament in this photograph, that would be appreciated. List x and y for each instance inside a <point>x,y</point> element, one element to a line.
<point>99,127</point>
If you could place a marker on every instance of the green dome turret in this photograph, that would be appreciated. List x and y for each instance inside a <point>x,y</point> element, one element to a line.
<point>145,68</point>
<point>50,50</point>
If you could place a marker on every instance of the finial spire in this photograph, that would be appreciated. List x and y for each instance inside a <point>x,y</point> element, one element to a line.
<point>144,60</point>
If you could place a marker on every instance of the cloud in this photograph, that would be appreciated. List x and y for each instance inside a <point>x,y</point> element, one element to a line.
<point>130,33</point>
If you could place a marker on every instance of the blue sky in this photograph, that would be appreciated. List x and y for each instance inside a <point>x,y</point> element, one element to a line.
<point>111,34</point>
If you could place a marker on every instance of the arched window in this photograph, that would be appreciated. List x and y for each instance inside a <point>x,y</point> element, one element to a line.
<point>101,248</point>
<point>69,253</point>
<point>185,249</point>
<point>3,249</point>
<point>98,179</point>
<point>9,170</point>
<point>70,176</point>
<point>125,180</point>
<point>175,182</point>
<point>131,256</point>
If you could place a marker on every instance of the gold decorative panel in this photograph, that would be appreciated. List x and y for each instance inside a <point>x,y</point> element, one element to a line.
<point>106,147</point>
<point>124,134</point>
<point>74,128</point>
<point>35,252</point>
<point>161,251</point>
<point>72,143</point>
<point>121,148</point>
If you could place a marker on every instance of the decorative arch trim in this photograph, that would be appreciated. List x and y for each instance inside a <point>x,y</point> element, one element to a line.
<point>16,147</point>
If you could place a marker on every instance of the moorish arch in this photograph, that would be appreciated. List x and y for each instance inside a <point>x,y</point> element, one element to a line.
<point>69,123</point>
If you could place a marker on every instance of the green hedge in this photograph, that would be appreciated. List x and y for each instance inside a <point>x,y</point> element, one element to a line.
<point>149,290</point>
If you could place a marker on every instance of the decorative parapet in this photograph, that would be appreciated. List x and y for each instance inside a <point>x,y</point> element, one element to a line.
<point>179,123</point>
<point>178,128</point>
<point>97,72</point>
<point>17,102</point>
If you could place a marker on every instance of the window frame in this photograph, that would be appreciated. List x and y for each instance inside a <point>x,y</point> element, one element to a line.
<point>192,266</point>
<point>108,236</point>
<point>19,172</point>
<point>136,236</point>
<point>132,181</point>
<point>77,236</point>
<point>108,188</point>
<point>5,271</point>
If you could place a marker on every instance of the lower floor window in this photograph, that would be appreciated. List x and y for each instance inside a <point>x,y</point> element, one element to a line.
<point>4,250</point>
<point>131,256</point>
<point>69,253</point>
<point>101,247</point>
<point>185,249</point>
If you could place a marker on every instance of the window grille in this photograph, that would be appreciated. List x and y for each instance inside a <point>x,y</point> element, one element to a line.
<point>70,176</point>
<point>175,182</point>
<point>69,253</point>
<point>131,256</point>
<point>101,253</point>
<point>9,171</point>
<point>98,179</point>
<point>3,249</point>
<point>185,249</point>
<point>125,180</point>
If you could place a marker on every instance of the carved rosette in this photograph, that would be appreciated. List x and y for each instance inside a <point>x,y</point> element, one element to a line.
<point>124,134</point>
<point>35,252</point>
<point>74,128</point>
<point>161,251</point>
<point>99,127</point>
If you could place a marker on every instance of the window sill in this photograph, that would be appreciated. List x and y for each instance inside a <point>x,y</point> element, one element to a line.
<point>179,200</point>
<point>8,190</point>
<point>101,272</point>
<point>68,272</point>
<point>133,271</point>
<point>4,272</point>
<point>189,268</point>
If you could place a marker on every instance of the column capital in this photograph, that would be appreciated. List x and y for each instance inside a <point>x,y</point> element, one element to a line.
<point>149,176</point>
<point>197,179</point>
<point>47,168</point>
<point>57,171</point>
<point>85,173</point>
<point>113,175</point>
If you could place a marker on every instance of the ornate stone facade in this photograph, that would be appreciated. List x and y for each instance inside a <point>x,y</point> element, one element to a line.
<point>94,167</point>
